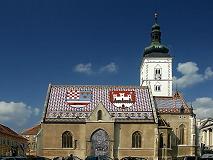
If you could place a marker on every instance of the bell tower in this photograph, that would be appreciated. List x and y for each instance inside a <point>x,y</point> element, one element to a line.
<point>156,65</point>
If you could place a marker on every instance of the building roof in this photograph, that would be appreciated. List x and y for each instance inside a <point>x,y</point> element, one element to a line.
<point>206,123</point>
<point>174,104</point>
<point>57,108</point>
<point>9,132</point>
<point>32,131</point>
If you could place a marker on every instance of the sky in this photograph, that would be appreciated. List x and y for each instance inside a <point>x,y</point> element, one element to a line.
<point>98,42</point>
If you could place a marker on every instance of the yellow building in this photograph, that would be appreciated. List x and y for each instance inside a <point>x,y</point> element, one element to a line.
<point>11,143</point>
<point>120,121</point>
<point>30,134</point>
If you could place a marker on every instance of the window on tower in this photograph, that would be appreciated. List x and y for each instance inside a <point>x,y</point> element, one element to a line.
<point>158,73</point>
<point>157,88</point>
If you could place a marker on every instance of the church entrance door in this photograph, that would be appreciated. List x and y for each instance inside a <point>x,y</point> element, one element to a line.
<point>100,143</point>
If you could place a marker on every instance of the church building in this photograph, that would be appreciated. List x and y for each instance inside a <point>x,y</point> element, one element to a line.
<point>149,120</point>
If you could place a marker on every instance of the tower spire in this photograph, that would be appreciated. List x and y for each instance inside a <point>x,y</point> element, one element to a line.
<point>156,48</point>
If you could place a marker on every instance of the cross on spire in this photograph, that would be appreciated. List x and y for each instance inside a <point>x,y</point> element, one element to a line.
<point>156,17</point>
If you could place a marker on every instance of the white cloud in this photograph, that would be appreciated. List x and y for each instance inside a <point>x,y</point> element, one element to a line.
<point>87,68</point>
<point>190,75</point>
<point>208,73</point>
<point>83,68</point>
<point>111,68</point>
<point>18,113</point>
<point>203,107</point>
<point>36,111</point>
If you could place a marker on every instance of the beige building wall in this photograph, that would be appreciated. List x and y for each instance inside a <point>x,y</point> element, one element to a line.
<point>188,148</point>
<point>120,136</point>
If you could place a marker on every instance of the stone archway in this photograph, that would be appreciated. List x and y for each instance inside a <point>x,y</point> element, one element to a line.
<point>100,143</point>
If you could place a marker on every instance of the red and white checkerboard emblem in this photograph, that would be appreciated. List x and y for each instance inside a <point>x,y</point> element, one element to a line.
<point>73,94</point>
<point>76,98</point>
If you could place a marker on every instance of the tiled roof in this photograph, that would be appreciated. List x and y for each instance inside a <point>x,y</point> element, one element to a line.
<point>173,104</point>
<point>9,132</point>
<point>32,131</point>
<point>57,108</point>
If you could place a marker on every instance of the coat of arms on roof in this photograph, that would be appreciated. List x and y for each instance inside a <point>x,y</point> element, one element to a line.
<point>77,98</point>
<point>122,99</point>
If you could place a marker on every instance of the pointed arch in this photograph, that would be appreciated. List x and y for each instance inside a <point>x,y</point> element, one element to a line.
<point>182,134</point>
<point>136,140</point>
<point>67,140</point>
<point>100,141</point>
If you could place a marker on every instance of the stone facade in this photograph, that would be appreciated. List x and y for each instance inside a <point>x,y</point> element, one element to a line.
<point>165,125</point>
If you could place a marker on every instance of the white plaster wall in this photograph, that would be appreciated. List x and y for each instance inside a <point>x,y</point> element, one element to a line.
<point>147,76</point>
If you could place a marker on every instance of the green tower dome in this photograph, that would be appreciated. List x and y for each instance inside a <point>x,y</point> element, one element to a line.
<point>156,49</point>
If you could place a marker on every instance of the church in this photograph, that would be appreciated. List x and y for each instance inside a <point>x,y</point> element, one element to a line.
<point>149,120</point>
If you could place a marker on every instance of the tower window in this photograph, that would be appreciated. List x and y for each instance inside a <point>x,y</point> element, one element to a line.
<point>157,88</point>
<point>158,73</point>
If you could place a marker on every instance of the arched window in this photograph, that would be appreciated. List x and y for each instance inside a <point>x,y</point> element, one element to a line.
<point>99,115</point>
<point>66,140</point>
<point>136,140</point>
<point>169,141</point>
<point>161,140</point>
<point>181,134</point>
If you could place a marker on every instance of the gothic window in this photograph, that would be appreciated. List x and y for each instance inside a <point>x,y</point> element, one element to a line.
<point>169,141</point>
<point>157,88</point>
<point>181,134</point>
<point>99,115</point>
<point>66,140</point>
<point>161,140</point>
<point>136,140</point>
<point>158,73</point>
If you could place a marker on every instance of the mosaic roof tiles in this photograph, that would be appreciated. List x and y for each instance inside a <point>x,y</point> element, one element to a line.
<point>171,104</point>
<point>58,108</point>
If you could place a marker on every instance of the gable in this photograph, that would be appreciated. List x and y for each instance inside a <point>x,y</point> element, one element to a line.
<point>105,116</point>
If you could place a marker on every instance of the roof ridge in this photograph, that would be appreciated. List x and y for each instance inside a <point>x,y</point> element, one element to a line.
<point>109,86</point>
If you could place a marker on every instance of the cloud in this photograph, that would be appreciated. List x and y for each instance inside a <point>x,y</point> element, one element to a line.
<point>203,107</point>
<point>83,68</point>
<point>111,68</point>
<point>190,75</point>
<point>18,113</point>
<point>208,73</point>
<point>87,68</point>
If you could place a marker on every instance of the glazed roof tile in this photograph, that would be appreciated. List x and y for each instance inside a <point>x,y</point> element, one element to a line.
<point>57,108</point>
<point>172,104</point>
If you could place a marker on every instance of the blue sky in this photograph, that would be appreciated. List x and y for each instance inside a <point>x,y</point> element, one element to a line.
<point>97,42</point>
